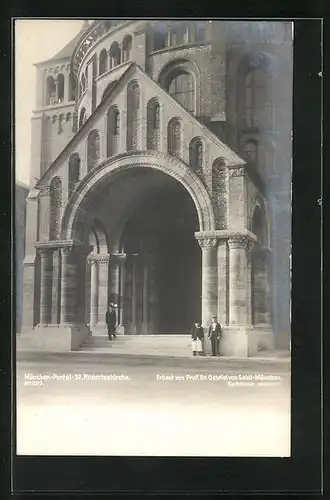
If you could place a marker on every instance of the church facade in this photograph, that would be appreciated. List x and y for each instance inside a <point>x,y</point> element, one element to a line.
<point>160,181</point>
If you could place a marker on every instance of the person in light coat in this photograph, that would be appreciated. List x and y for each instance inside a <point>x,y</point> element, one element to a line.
<point>197,338</point>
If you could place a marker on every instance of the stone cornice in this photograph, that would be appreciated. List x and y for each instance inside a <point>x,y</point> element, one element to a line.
<point>52,107</point>
<point>58,244</point>
<point>184,46</point>
<point>225,234</point>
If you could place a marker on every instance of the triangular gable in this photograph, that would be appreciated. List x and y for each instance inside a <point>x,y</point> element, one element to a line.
<point>135,71</point>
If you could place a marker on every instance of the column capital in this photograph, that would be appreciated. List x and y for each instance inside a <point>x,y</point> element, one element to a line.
<point>44,191</point>
<point>118,258</point>
<point>102,258</point>
<point>240,241</point>
<point>237,171</point>
<point>65,251</point>
<point>98,257</point>
<point>45,251</point>
<point>207,242</point>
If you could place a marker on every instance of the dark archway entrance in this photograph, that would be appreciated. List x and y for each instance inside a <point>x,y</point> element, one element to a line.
<point>164,259</point>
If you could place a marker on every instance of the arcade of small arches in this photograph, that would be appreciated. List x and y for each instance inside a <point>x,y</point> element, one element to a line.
<point>114,127</point>
<point>146,249</point>
<point>163,35</point>
<point>180,79</point>
<point>56,91</point>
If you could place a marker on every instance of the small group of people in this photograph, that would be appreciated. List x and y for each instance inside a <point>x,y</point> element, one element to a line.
<point>214,335</point>
<point>111,320</point>
<point>197,332</point>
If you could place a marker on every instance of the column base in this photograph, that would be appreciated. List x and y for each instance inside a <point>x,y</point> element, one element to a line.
<point>100,329</point>
<point>245,341</point>
<point>120,330</point>
<point>53,338</point>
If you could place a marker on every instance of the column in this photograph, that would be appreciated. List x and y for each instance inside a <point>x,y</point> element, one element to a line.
<point>122,261</point>
<point>55,320</point>
<point>110,60</point>
<point>45,285</point>
<point>44,214</point>
<point>145,298</point>
<point>239,280</point>
<point>56,90</point>
<point>133,328</point>
<point>186,35</point>
<point>261,288</point>
<point>103,278</point>
<point>67,86</point>
<point>223,278</point>
<point>114,279</point>
<point>94,292</point>
<point>209,279</point>
<point>68,287</point>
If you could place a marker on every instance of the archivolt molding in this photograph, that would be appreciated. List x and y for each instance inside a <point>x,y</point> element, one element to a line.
<point>171,166</point>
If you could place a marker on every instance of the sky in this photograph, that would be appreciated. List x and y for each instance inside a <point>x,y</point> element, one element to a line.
<point>36,40</point>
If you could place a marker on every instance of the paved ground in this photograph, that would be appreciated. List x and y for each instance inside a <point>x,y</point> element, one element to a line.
<point>96,404</point>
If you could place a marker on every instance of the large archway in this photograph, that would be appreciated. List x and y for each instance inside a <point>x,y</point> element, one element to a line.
<point>150,215</point>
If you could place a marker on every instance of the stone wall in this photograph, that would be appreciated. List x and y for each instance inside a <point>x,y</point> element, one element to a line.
<point>21,192</point>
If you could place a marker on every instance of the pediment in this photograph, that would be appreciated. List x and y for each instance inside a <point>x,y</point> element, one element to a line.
<point>134,72</point>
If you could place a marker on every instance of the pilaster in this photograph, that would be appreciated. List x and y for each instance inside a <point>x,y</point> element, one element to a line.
<point>102,261</point>
<point>237,198</point>
<point>46,265</point>
<point>44,214</point>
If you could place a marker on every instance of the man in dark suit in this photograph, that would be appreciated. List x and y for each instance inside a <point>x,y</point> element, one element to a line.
<point>214,335</point>
<point>111,321</point>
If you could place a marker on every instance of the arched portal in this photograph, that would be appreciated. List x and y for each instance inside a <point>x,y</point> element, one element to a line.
<point>154,270</point>
<point>162,286</point>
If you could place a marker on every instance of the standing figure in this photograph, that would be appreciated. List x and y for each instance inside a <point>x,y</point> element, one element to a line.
<point>197,337</point>
<point>215,332</point>
<point>111,321</point>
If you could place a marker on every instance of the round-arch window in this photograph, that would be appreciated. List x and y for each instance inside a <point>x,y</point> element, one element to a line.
<point>182,87</point>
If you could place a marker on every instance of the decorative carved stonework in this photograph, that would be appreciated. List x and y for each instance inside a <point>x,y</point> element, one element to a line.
<point>237,172</point>
<point>66,251</point>
<point>207,242</point>
<point>102,259</point>
<point>240,241</point>
<point>45,191</point>
<point>45,251</point>
<point>220,196</point>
